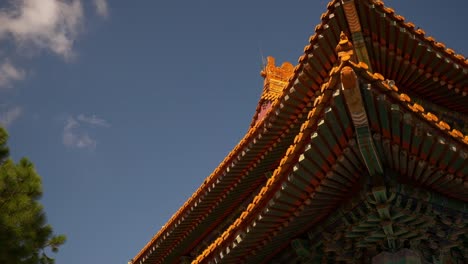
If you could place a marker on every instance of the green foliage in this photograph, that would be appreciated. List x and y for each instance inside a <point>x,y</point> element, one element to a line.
<point>24,233</point>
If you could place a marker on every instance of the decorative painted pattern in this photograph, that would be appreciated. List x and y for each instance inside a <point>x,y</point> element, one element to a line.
<point>411,218</point>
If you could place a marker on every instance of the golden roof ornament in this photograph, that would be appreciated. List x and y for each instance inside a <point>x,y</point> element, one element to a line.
<point>276,78</point>
<point>344,48</point>
<point>271,71</point>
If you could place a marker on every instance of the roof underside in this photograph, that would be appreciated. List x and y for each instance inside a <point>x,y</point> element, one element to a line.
<point>328,172</point>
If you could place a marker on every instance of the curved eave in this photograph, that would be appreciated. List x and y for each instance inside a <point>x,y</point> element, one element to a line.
<point>415,142</point>
<point>403,53</point>
<point>395,95</point>
<point>323,171</point>
<point>301,89</point>
<point>291,202</point>
<point>249,216</point>
<point>260,139</point>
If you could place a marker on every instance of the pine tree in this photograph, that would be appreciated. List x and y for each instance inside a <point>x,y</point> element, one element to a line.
<point>25,235</point>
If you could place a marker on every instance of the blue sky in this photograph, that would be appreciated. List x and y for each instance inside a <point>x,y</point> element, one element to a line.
<point>126,106</point>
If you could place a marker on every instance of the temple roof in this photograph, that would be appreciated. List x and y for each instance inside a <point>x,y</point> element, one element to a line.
<point>286,185</point>
<point>394,47</point>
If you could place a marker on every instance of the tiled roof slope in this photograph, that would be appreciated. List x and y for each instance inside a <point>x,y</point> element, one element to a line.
<point>309,76</point>
<point>404,53</point>
<point>288,107</point>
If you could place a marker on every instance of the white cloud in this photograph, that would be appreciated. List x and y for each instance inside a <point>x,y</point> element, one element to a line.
<point>101,7</point>
<point>93,120</point>
<point>33,26</point>
<point>74,138</point>
<point>10,115</point>
<point>75,134</point>
<point>44,24</point>
<point>10,73</point>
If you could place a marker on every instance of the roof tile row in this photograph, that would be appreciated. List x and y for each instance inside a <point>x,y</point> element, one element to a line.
<point>421,33</point>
